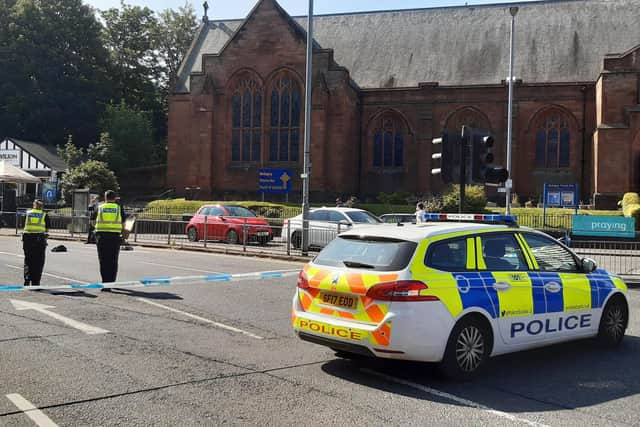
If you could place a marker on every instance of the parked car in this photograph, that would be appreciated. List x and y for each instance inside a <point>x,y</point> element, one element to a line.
<point>395,218</point>
<point>226,223</point>
<point>325,224</point>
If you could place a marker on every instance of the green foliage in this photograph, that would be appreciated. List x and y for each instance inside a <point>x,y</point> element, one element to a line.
<point>179,207</point>
<point>475,199</point>
<point>101,150</point>
<point>93,175</point>
<point>393,198</point>
<point>53,70</point>
<point>633,211</point>
<point>131,137</point>
<point>71,154</point>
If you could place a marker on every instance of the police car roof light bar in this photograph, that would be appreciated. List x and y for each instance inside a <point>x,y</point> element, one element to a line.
<point>510,220</point>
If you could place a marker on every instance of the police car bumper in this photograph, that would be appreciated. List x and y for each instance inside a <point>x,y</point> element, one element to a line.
<point>410,331</point>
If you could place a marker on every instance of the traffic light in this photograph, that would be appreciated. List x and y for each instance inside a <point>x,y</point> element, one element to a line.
<point>448,158</point>
<point>482,168</point>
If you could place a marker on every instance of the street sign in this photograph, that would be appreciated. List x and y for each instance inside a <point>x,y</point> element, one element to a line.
<point>603,226</point>
<point>275,180</point>
<point>50,192</point>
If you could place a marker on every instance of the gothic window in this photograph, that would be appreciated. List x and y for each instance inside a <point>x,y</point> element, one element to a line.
<point>467,117</point>
<point>284,136</point>
<point>246,117</point>
<point>388,142</point>
<point>553,142</point>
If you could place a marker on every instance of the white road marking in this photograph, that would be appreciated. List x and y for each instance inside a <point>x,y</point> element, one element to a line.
<point>80,282</point>
<point>12,254</point>
<point>181,268</point>
<point>36,415</point>
<point>202,319</point>
<point>454,398</point>
<point>44,309</point>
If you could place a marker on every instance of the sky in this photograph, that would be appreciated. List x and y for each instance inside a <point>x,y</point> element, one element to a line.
<point>228,9</point>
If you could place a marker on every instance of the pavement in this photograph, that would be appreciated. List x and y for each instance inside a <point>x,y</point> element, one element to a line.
<point>223,353</point>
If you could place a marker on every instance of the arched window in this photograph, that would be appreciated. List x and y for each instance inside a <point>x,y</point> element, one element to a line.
<point>467,117</point>
<point>246,118</point>
<point>553,140</point>
<point>388,142</point>
<point>284,135</point>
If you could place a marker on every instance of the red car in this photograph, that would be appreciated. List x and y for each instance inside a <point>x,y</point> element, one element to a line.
<point>226,222</point>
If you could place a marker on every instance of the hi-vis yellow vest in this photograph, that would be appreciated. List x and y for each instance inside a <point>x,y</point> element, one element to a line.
<point>34,222</point>
<point>109,219</point>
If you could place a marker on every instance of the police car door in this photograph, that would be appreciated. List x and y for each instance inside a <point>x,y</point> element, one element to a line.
<point>560,290</point>
<point>501,255</point>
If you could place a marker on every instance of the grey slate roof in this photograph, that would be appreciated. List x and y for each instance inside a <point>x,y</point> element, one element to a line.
<point>556,41</point>
<point>45,153</point>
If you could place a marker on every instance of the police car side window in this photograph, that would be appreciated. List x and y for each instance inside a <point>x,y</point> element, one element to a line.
<point>448,255</point>
<point>550,255</point>
<point>501,252</point>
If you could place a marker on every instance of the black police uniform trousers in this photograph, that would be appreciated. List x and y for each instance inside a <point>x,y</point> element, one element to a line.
<point>108,253</point>
<point>34,246</point>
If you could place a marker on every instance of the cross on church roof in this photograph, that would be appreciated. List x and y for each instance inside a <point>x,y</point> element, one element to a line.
<point>205,6</point>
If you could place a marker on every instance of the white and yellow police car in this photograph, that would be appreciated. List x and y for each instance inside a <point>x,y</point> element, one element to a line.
<point>454,293</point>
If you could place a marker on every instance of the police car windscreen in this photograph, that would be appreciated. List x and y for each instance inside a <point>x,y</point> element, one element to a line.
<point>375,253</point>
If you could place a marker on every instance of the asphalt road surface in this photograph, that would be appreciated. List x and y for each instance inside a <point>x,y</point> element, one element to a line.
<point>223,353</point>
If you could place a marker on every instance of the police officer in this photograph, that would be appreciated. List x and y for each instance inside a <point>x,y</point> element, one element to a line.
<point>34,243</point>
<point>109,218</point>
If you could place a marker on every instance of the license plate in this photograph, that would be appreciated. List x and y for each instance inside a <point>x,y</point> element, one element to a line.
<point>338,300</point>
<point>262,233</point>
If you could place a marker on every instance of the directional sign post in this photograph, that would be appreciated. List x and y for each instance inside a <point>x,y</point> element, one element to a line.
<point>275,181</point>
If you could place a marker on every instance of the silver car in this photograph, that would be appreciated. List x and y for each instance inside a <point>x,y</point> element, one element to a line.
<point>325,224</point>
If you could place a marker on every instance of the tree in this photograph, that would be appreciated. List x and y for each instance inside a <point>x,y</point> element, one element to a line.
<point>53,78</point>
<point>101,150</point>
<point>131,137</point>
<point>71,154</point>
<point>93,175</point>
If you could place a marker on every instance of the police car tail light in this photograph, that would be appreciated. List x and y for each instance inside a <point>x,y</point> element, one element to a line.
<point>403,290</point>
<point>303,281</point>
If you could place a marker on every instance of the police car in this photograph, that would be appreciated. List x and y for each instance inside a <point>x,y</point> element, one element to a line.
<point>454,293</point>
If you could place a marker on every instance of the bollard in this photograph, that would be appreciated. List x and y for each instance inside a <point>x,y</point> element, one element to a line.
<point>244,236</point>
<point>288,237</point>
<point>206,231</point>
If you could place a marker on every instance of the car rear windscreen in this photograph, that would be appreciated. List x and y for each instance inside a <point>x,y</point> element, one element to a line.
<point>371,253</point>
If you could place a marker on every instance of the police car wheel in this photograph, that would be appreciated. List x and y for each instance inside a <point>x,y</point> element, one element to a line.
<point>232,237</point>
<point>192,234</point>
<point>296,240</point>
<point>467,350</point>
<point>613,323</point>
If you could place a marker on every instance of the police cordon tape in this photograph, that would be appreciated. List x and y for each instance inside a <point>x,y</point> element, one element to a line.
<point>160,281</point>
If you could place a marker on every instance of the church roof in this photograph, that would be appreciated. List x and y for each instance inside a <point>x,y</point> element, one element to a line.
<point>557,41</point>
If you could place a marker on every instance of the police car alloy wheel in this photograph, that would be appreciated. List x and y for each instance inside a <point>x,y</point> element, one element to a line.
<point>467,349</point>
<point>613,323</point>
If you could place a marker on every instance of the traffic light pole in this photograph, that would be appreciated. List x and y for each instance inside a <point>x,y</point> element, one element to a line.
<point>464,144</point>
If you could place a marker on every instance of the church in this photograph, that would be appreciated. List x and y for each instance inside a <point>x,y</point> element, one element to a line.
<point>386,83</point>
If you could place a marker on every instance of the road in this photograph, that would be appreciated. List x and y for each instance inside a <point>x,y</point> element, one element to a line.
<point>223,353</point>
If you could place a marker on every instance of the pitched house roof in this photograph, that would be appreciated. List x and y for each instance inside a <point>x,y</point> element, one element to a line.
<point>44,153</point>
<point>556,41</point>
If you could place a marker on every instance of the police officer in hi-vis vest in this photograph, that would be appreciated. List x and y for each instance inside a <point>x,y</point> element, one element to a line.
<point>34,243</point>
<point>109,218</point>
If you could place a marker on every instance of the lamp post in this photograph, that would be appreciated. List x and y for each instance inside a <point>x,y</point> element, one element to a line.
<point>509,184</point>
<point>306,173</point>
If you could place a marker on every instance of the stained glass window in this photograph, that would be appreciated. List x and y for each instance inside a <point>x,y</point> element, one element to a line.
<point>388,142</point>
<point>246,121</point>
<point>284,137</point>
<point>553,142</point>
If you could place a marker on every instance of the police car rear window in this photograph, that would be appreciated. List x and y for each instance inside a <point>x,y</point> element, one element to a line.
<point>370,253</point>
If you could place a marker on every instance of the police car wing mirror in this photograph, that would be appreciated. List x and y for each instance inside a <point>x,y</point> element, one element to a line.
<point>588,265</point>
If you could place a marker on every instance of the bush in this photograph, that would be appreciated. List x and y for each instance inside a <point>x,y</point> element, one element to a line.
<point>393,198</point>
<point>629,199</point>
<point>633,211</point>
<point>475,199</point>
<point>94,175</point>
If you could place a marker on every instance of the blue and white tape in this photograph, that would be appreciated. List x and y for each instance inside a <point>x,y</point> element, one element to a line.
<point>160,281</point>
